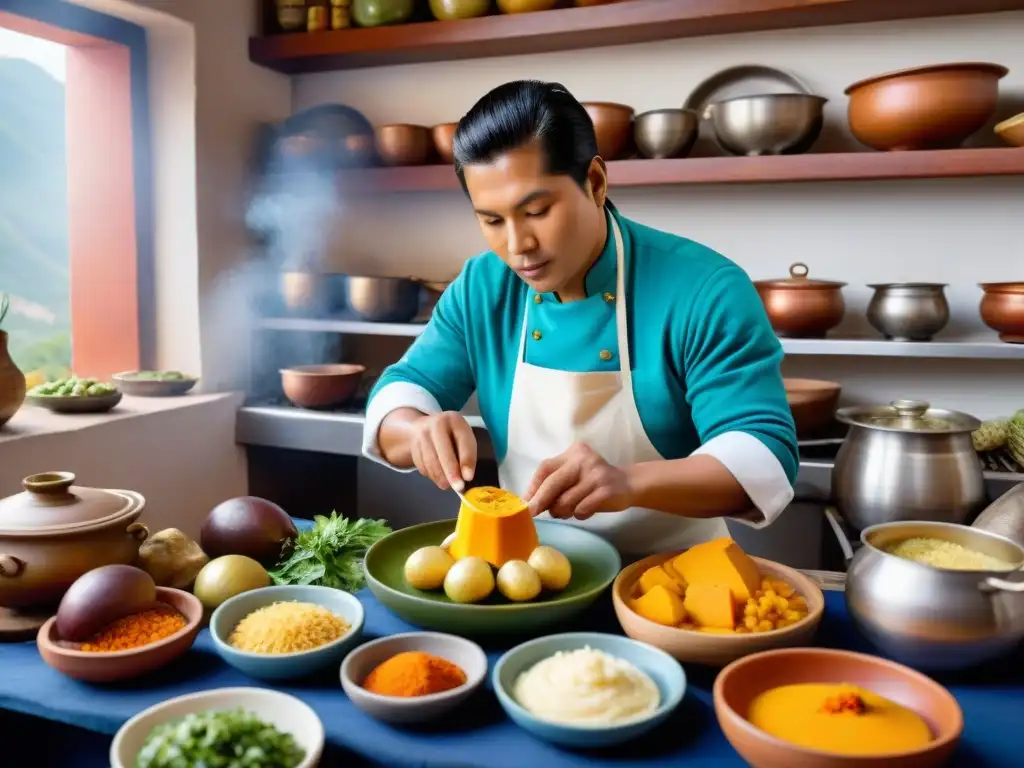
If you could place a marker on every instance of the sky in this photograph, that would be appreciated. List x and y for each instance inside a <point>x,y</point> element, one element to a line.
<point>49,56</point>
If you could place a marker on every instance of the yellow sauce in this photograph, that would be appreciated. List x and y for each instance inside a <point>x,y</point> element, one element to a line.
<point>494,501</point>
<point>804,714</point>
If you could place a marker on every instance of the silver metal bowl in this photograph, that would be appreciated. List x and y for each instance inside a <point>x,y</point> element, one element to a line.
<point>932,618</point>
<point>767,124</point>
<point>383,299</point>
<point>665,133</point>
<point>908,311</point>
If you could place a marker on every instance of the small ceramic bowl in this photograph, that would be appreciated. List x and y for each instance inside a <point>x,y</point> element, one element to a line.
<point>666,672</point>
<point>739,683</point>
<point>413,709</point>
<point>135,384</point>
<point>287,713</point>
<point>284,666</point>
<point>108,667</point>
<point>715,649</point>
<point>80,404</point>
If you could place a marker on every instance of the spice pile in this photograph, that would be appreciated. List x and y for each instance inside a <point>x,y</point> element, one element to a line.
<point>136,630</point>
<point>287,627</point>
<point>414,673</point>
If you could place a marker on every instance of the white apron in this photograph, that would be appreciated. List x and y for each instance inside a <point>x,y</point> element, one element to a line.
<point>550,410</point>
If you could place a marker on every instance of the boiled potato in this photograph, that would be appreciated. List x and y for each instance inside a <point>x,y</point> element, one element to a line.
<point>552,566</point>
<point>469,580</point>
<point>518,581</point>
<point>427,567</point>
<point>447,543</point>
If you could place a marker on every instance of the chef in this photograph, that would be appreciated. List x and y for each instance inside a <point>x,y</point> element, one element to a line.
<point>628,378</point>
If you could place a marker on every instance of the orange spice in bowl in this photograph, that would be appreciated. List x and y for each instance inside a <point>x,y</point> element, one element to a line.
<point>414,673</point>
<point>136,630</point>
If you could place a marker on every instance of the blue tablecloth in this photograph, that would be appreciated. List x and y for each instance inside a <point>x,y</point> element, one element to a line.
<point>479,734</point>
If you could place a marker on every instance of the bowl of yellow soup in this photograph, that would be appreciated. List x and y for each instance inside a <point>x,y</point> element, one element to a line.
<point>804,707</point>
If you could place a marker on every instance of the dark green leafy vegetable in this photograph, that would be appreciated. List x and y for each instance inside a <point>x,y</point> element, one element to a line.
<point>219,739</point>
<point>330,554</point>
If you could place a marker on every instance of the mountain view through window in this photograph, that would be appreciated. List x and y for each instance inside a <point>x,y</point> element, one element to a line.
<point>34,260</point>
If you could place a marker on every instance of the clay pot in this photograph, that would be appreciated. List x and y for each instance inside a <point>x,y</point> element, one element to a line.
<point>443,135</point>
<point>321,386</point>
<point>613,124</point>
<point>933,107</point>
<point>12,383</point>
<point>55,531</point>
<point>1002,310</point>
<point>801,308</point>
<point>402,144</point>
<point>812,403</point>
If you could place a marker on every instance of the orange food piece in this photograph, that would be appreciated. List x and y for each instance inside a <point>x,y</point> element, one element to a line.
<point>710,605</point>
<point>658,576</point>
<point>720,562</point>
<point>496,526</point>
<point>661,605</point>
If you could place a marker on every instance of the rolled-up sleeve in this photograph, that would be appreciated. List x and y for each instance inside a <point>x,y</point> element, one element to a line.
<point>434,375</point>
<point>732,360</point>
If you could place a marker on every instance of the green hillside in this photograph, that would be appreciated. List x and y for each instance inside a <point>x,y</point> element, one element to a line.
<point>34,215</point>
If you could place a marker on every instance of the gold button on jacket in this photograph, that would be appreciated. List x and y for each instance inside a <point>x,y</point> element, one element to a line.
<point>536,335</point>
<point>606,355</point>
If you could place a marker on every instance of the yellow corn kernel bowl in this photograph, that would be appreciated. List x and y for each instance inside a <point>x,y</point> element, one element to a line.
<point>715,646</point>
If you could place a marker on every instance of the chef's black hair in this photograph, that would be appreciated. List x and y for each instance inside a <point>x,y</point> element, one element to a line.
<point>522,111</point>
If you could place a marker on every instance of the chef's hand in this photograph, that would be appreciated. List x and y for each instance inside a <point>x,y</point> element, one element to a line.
<point>443,449</point>
<point>577,484</point>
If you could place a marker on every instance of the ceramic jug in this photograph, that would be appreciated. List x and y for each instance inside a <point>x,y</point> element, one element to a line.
<point>12,383</point>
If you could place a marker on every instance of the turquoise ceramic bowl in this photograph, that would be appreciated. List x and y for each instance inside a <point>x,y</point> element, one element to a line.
<point>284,666</point>
<point>595,564</point>
<point>666,672</point>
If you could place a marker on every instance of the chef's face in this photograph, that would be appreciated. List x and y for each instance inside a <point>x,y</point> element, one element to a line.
<point>543,226</point>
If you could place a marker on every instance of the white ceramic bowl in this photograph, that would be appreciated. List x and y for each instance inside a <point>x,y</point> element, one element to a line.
<point>413,709</point>
<point>287,713</point>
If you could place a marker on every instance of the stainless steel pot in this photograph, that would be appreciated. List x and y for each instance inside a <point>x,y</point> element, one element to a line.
<point>908,311</point>
<point>383,299</point>
<point>665,133</point>
<point>907,461</point>
<point>929,617</point>
<point>1005,516</point>
<point>767,124</point>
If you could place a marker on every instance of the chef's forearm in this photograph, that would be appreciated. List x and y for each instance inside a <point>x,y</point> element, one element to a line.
<point>394,436</point>
<point>697,486</point>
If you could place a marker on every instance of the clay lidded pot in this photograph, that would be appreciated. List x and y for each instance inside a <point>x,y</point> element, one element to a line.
<point>932,107</point>
<point>1002,310</point>
<point>54,531</point>
<point>12,383</point>
<point>613,124</point>
<point>801,308</point>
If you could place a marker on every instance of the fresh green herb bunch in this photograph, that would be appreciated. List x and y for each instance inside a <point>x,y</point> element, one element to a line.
<point>5,305</point>
<point>219,739</point>
<point>330,554</point>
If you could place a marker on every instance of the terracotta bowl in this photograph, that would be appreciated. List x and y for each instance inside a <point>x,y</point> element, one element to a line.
<point>613,124</point>
<point>739,683</point>
<point>813,404</point>
<point>1002,310</point>
<point>321,386</point>
<point>932,107</point>
<point>442,135</point>
<point>403,144</point>
<point>1011,130</point>
<point>122,665</point>
<point>712,649</point>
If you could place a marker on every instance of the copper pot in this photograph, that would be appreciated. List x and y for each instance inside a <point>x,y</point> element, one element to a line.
<point>403,144</point>
<point>1002,310</point>
<point>801,308</point>
<point>613,124</point>
<point>812,403</point>
<point>443,135</point>
<point>321,386</point>
<point>55,531</point>
<point>932,107</point>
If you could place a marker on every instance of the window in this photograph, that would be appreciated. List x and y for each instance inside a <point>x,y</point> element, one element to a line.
<point>75,189</point>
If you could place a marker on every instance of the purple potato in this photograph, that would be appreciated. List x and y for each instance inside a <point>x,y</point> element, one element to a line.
<point>102,596</point>
<point>249,526</point>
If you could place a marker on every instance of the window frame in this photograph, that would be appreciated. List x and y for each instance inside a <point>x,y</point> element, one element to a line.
<point>110,233</point>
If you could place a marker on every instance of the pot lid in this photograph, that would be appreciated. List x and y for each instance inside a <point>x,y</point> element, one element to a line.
<point>51,503</point>
<point>798,278</point>
<point>913,416</point>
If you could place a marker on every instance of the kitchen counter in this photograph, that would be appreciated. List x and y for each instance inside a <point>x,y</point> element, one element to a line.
<point>479,734</point>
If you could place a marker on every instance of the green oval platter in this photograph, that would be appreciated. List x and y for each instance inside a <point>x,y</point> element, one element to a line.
<point>595,564</point>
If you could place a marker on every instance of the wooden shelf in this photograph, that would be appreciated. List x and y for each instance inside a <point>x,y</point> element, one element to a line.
<point>839,166</point>
<point>621,23</point>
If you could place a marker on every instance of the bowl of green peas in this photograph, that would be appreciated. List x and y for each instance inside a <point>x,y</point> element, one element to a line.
<point>75,395</point>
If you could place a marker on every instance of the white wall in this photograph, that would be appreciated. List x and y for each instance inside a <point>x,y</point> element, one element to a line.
<point>957,231</point>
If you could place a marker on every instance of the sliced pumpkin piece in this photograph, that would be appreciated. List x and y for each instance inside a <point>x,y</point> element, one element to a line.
<point>710,605</point>
<point>662,606</point>
<point>720,562</point>
<point>656,575</point>
<point>496,526</point>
